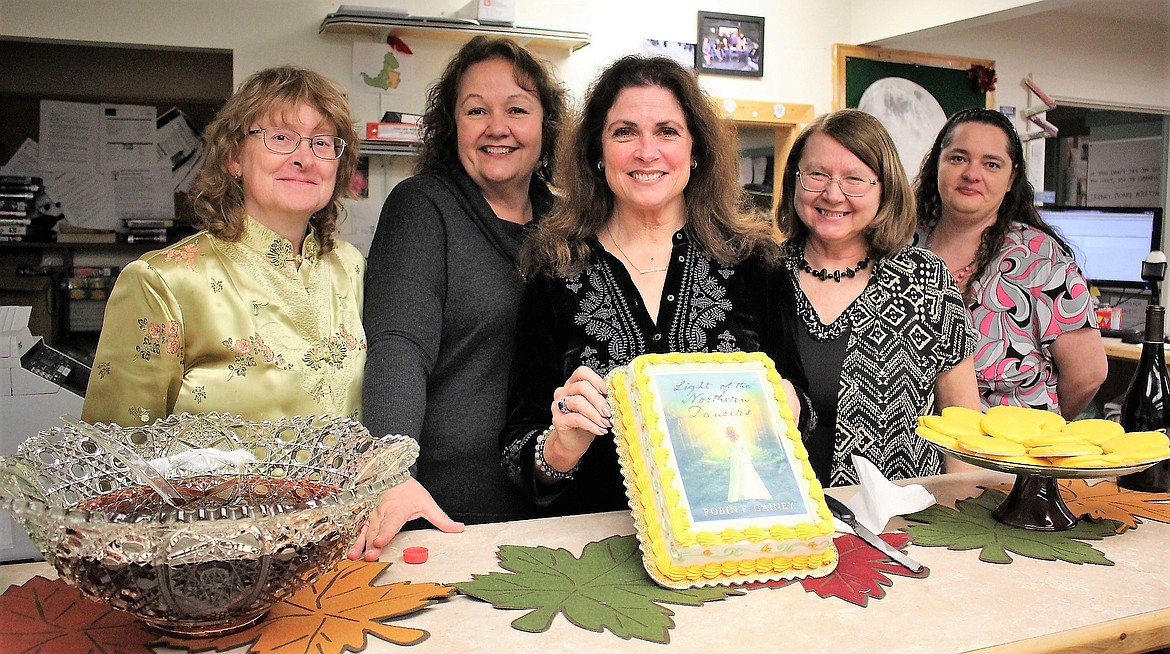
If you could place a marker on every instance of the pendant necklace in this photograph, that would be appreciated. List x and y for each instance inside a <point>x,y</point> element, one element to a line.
<point>627,257</point>
<point>835,275</point>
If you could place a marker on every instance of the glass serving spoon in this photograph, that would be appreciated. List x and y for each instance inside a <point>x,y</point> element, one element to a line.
<point>147,473</point>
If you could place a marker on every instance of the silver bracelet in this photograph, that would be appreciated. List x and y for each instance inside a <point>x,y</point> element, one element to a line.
<point>553,474</point>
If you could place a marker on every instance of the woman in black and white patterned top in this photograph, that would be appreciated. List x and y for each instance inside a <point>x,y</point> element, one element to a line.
<point>882,331</point>
<point>648,249</point>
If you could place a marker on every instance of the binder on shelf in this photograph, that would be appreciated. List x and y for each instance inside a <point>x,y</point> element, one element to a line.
<point>396,132</point>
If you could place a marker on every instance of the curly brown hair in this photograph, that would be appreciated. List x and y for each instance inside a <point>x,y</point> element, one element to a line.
<point>217,196</point>
<point>718,214</point>
<point>868,140</point>
<point>1018,205</point>
<point>440,141</point>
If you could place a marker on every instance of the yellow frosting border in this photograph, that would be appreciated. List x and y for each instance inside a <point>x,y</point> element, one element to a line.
<point>640,488</point>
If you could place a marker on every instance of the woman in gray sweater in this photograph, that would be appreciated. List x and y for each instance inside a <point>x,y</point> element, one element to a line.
<point>442,287</point>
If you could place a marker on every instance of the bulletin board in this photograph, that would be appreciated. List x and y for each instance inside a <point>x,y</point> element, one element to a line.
<point>911,93</point>
<point>1125,173</point>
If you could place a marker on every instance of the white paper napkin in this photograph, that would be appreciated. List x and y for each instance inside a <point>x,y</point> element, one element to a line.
<point>878,499</point>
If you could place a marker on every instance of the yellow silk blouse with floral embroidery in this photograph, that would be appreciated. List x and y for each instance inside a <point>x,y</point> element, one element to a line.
<point>242,328</point>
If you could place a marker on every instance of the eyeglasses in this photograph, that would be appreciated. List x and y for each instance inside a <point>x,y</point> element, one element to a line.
<point>814,181</point>
<point>286,141</point>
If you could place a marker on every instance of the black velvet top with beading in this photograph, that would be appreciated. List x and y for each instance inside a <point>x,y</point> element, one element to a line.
<point>597,319</point>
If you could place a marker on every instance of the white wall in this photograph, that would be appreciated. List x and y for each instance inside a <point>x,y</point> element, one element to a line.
<point>1083,61</point>
<point>261,33</point>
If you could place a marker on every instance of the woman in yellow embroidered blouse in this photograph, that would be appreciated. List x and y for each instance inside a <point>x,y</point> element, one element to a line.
<point>259,314</point>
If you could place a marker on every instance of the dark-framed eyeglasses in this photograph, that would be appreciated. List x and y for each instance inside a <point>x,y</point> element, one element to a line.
<point>815,181</point>
<point>286,141</point>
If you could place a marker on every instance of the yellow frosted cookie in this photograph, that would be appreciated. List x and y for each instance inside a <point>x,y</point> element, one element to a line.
<point>991,445</point>
<point>1064,450</point>
<point>1145,455</point>
<point>1092,461</point>
<point>963,414</point>
<point>1010,427</point>
<point>1049,437</point>
<point>936,437</point>
<point>1095,430</point>
<point>1024,458</point>
<point>948,427</point>
<point>1135,440</point>
<point>1041,418</point>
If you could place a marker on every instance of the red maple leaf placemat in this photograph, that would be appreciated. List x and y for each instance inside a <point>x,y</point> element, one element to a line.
<point>862,571</point>
<point>52,616</point>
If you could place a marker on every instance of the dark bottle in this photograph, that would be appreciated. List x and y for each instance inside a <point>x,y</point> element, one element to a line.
<point>1147,402</point>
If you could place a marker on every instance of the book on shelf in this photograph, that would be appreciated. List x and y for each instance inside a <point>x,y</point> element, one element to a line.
<point>395,132</point>
<point>138,238</point>
<point>15,220</point>
<point>16,194</point>
<point>23,206</point>
<point>13,230</point>
<point>148,223</point>
<point>67,233</point>
<point>21,180</point>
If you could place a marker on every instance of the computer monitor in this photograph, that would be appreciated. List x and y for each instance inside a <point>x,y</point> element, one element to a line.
<point>1109,243</point>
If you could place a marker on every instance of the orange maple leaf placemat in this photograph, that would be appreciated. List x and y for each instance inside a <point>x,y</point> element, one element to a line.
<point>50,616</point>
<point>332,615</point>
<point>1104,500</point>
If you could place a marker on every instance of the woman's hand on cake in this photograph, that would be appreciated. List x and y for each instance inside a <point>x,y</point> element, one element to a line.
<point>793,400</point>
<point>580,414</point>
<point>581,405</point>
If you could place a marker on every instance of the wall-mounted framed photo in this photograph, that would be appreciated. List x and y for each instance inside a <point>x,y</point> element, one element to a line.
<point>730,44</point>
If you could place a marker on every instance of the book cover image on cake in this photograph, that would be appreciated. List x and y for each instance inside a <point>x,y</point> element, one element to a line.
<point>718,478</point>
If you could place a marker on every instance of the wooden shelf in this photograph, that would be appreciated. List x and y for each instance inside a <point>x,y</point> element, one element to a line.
<point>377,27</point>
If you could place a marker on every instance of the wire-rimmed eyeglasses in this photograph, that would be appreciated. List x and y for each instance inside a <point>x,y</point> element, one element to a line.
<point>286,141</point>
<point>815,181</point>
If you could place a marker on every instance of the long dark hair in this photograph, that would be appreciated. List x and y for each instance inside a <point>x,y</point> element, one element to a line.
<point>1019,203</point>
<point>718,218</point>
<point>440,142</point>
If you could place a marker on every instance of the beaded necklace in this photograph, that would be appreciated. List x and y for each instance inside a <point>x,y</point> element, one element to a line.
<point>835,275</point>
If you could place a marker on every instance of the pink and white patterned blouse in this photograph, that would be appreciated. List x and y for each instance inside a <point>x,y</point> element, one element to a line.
<point>1019,307</point>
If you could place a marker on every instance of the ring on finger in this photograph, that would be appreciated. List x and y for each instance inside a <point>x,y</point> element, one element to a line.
<point>563,405</point>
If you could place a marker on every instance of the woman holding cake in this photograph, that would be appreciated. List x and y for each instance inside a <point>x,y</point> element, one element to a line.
<point>649,249</point>
<point>881,328</point>
<point>1038,340</point>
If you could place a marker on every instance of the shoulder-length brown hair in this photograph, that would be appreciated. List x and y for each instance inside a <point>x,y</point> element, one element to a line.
<point>864,136</point>
<point>217,196</point>
<point>718,218</point>
<point>440,142</point>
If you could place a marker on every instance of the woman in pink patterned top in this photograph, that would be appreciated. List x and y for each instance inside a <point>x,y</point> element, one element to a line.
<point>1038,340</point>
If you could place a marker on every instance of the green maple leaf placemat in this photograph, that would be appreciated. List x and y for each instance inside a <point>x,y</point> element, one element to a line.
<point>607,588</point>
<point>970,526</point>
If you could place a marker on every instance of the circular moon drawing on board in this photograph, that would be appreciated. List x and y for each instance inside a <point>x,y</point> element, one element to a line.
<point>909,113</point>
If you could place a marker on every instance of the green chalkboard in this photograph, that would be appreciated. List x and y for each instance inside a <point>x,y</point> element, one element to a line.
<point>949,86</point>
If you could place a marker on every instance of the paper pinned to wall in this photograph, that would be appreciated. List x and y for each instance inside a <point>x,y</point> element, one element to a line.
<point>1125,172</point>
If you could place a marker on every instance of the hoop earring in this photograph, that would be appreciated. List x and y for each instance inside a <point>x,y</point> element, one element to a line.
<point>600,166</point>
<point>694,164</point>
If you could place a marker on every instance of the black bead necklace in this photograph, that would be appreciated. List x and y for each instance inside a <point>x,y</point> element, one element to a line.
<point>836,275</point>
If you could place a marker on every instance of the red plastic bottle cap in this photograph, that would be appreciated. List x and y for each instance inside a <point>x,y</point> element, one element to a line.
<point>415,555</point>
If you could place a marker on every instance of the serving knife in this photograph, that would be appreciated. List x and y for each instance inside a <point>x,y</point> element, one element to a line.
<point>843,514</point>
